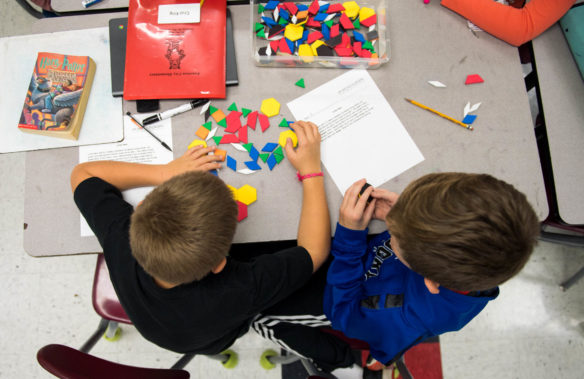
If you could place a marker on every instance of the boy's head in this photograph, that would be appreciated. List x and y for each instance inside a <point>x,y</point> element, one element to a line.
<point>184,227</point>
<point>466,232</point>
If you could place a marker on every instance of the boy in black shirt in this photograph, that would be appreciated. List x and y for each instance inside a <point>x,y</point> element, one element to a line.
<point>168,258</point>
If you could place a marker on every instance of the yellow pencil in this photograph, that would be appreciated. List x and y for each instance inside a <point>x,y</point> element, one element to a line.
<point>440,114</point>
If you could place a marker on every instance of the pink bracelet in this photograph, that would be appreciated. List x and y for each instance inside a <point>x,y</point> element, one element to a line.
<point>302,177</point>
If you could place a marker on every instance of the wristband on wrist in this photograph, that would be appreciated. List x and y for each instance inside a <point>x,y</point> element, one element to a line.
<point>312,175</point>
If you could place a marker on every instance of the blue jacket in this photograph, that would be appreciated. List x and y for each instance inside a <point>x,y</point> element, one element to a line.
<point>372,296</point>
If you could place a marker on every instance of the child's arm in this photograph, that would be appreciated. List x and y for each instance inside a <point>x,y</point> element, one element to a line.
<point>314,229</point>
<point>124,175</point>
<point>514,26</point>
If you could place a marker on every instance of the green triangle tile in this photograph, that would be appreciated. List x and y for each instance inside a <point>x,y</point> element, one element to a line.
<point>279,158</point>
<point>300,83</point>
<point>248,146</point>
<point>264,157</point>
<point>283,123</point>
<point>261,34</point>
<point>278,151</point>
<point>212,109</point>
<point>217,139</point>
<point>356,24</point>
<point>245,111</point>
<point>222,123</point>
<point>208,125</point>
<point>260,8</point>
<point>329,23</point>
<point>232,107</point>
<point>258,26</point>
<point>368,45</point>
<point>282,21</point>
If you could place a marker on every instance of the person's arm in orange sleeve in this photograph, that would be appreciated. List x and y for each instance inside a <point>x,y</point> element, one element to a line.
<point>512,25</point>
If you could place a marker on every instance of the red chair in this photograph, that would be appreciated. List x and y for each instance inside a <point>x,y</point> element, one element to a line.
<point>66,362</point>
<point>108,307</point>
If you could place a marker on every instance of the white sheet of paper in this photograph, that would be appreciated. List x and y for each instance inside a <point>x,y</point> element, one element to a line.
<point>362,136</point>
<point>138,147</point>
<point>101,123</point>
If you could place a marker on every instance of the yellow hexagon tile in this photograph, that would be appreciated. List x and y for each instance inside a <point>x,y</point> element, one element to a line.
<point>270,107</point>
<point>233,191</point>
<point>351,9</point>
<point>288,134</point>
<point>365,13</point>
<point>246,194</point>
<point>293,32</point>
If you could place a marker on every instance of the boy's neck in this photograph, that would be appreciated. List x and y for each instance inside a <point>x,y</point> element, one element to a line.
<point>162,284</point>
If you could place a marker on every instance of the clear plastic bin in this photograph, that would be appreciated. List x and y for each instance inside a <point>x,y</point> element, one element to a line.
<point>265,56</point>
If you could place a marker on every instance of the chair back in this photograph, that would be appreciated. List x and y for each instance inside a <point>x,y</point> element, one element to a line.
<point>67,363</point>
<point>104,298</point>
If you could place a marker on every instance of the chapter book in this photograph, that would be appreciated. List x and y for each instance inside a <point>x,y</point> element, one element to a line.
<point>175,49</point>
<point>57,95</point>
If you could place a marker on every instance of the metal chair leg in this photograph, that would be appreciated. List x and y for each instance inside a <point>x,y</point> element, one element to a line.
<point>572,280</point>
<point>101,328</point>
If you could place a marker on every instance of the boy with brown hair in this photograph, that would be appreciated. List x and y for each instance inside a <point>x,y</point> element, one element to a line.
<point>168,259</point>
<point>452,238</point>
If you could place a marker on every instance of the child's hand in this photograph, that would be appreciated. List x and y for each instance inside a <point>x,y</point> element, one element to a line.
<point>385,200</point>
<point>306,158</point>
<point>195,159</point>
<point>355,213</point>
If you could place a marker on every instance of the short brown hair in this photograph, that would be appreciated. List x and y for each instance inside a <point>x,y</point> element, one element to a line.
<point>466,232</point>
<point>184,227</point>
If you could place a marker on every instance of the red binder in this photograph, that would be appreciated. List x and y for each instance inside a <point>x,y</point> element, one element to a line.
<point>175,61</point>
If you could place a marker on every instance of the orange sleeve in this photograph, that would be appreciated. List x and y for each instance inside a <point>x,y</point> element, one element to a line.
<point>512,25</point>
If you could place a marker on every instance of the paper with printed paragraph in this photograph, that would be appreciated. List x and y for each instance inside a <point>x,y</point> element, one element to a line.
<point>362,137</point>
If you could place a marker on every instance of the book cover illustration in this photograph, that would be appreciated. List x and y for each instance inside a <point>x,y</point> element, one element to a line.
<point>57,95</point>
<point>175,60</point>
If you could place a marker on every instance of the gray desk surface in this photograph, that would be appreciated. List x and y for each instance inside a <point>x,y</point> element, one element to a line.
<point>562,93</point>
<point>428,43</point>
<point>75,5</point>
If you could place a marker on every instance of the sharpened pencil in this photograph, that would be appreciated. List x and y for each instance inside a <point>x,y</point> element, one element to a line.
<point>440,114</point>
<point>149,132</point>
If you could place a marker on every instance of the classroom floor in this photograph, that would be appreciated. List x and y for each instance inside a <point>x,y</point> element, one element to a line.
<point>534,330</point>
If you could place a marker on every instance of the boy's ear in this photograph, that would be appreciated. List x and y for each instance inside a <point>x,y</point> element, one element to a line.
<point>217,269</point>
<point>432,286</point>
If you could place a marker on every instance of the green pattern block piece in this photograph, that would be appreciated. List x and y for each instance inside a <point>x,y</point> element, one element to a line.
<point>279,158</point>
<point>217,139</point>
<point>278,151</point>
<point>222,123</point>
<point>245,111</point>
<point>232,107</point>
<point>300,83</point>
<point>282,21</point>
<point>264,157</point>
<point>212,109</point>
<point>208,125</point>
<point>283,123</point>
<point>357,24</point>
<point>258,26</point>
<point>369,46</point>
<point>261,34</point>
<point>329,23</point>
<point>247,146</point>
<point>260,8</point>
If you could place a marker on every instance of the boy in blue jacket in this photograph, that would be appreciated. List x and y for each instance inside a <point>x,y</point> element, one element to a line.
<point>452,239</point>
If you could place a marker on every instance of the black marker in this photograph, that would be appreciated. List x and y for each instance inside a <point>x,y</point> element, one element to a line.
<point>174,111</point>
